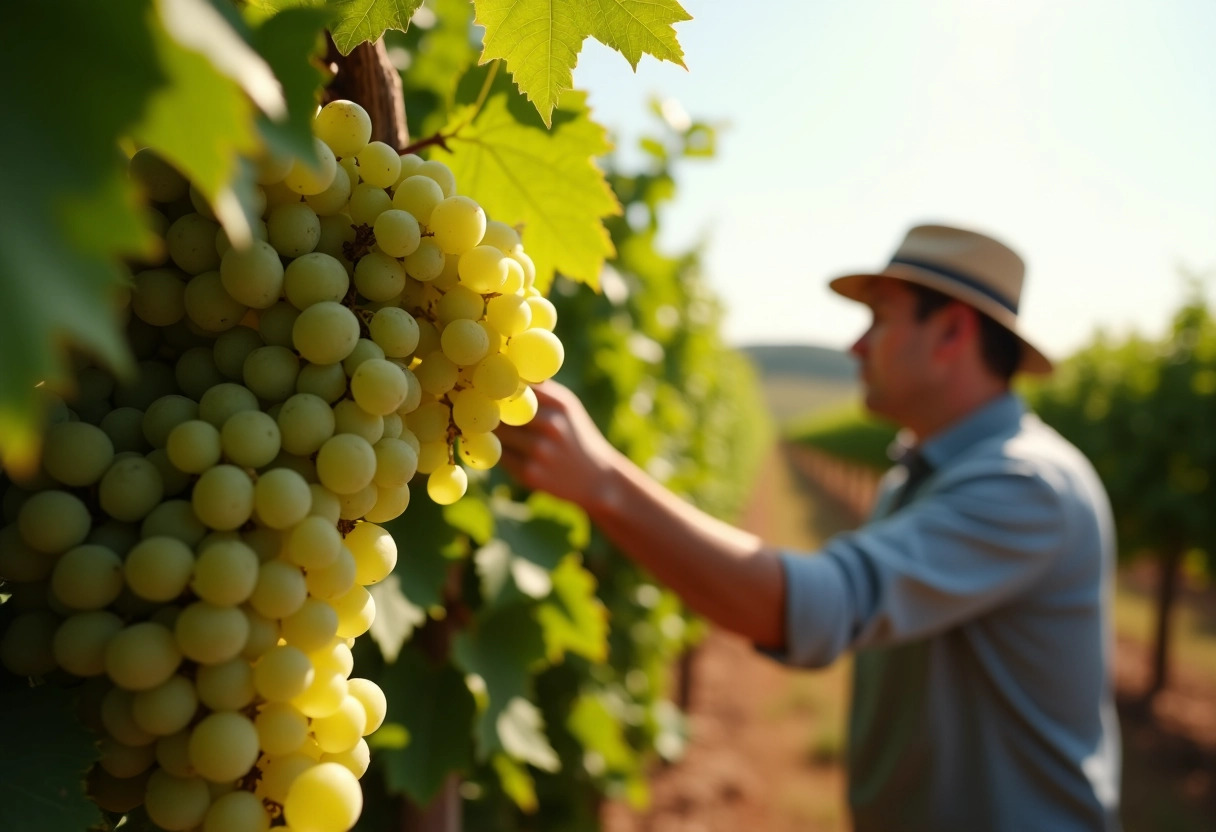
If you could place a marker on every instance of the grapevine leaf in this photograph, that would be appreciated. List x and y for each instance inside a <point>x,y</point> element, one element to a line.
<point>471,516</point>
<point>434,706</point>
<point>426,548</point>
<point>598,729</point>
<point>572,617</point>
<point>200,27</point>
<point>546,181</point>
<point>516,782</point>
<point>540,39</point>
<point>289,41</point>
<point>396,618</point>
<point>521,728</point>
<point>42,771</point>
<point>633,27</point>
<point>501,649</point>
<point>76,97</point>
<point>360,21</point>
<point>516,564</point>
<point>202,123</point>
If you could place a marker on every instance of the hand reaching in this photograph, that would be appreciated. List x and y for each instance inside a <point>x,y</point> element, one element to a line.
<point>560,451</point>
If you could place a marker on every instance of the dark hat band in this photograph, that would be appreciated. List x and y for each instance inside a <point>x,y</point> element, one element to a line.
<point>958,277</point>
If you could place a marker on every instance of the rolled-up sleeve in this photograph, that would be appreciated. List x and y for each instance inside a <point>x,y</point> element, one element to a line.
<point>979,538</point>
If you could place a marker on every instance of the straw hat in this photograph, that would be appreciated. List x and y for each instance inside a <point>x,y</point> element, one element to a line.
<point>965,265</point>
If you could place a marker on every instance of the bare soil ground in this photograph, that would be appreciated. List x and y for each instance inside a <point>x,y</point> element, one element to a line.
<point>766,741</point>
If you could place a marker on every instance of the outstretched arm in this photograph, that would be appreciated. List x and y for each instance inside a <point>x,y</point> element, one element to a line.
<point>723,573</point>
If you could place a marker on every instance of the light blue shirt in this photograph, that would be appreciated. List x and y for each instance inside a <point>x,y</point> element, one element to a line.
<point>980,613</point>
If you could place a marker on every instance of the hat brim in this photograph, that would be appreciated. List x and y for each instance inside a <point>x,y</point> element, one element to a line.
<point>857,287</point>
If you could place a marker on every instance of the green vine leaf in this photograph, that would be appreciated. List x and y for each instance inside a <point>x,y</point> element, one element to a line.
<point>202,123</point>
<point>431,706</point>
<point>42,771</point>
<point>521,728</point>
<point>543,180</point>
<point>502,650</point>
<point>396,618</point>
<point>634,27</point>
<point>361,21</point>
<point>572,617</point>
<point>290,41</point>
<point>540,39</point>
<point>63,224</point>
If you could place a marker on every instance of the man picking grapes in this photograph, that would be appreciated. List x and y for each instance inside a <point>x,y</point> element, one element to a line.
<point>976,598</point>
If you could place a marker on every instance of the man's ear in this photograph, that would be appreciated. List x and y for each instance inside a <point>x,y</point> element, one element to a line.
<point>959,327</point>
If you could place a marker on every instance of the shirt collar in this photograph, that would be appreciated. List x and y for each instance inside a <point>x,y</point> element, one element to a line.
<point>998,415</point>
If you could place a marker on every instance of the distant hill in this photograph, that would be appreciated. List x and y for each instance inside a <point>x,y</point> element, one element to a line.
<point>800,379</point>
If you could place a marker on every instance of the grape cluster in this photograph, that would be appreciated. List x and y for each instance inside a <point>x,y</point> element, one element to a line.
<point>198,543</point>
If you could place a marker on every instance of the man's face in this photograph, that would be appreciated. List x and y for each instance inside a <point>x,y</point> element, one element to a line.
<point>895,352</point>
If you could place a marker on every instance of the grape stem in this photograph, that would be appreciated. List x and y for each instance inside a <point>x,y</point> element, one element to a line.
<point>441,139</point>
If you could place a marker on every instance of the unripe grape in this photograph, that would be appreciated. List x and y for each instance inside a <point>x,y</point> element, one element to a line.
<point>374,550</point>
<point>237,811</point>
<point>223,400</point>
<point>346,463</point>
<point>395,331</point>
<point>426,262</point>
<point>282,673</point>
<point>79,643</point>
<point>356,609</point>
<point>253,276</point>
<point>191,243</point>
<point>334,198</point>
<point>166,708</point>
<point>458,223</point>
<point>53,521</point>
<point>142,656</point>
<point>226,686</point>
<point>520,409</point>
<point>225,572</point>
<point>379,386</point>
<point>397,232</point>
<point>130,489</point>
<point>223,497</point>
<point>325,333</point>
<point>87,577</point>
<point>313,178</point>
<point>250,438</point>
<point>293,230</point>
<point>313,278</point>
<point>211,634</point>
<point>281,728</point>
<point>483,269</point>
<point>447,484</point>
<point>275,325</point>
<point>223,746</point>
<point>536,353</point>
<point>159,296</point>
<point>349,417</point>
<point>280,590</point>
<point>418,195</point>
<point>176,803</point>
<point>281,498</point>
<point>366,203</point>
<point>194,446</point>
<point>464,342</point>
<point>344,126</point>
<point>325,381</point>
<point>159,568</point>
<point>379,277</point>
<point>441,173</point>
<point>270,372</point>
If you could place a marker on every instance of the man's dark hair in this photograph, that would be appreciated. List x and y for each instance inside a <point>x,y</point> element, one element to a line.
<point>999,348</point>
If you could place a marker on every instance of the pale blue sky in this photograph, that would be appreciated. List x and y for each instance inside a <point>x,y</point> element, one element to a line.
<point>1083,132</point>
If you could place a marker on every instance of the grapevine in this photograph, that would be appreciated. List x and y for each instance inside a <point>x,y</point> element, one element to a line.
<point>195,548</point>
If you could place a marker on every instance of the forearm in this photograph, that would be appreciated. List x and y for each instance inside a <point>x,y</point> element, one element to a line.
<point>721,572</point>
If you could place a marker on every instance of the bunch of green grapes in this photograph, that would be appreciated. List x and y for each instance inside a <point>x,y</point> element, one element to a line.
<point>197,543</point>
